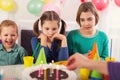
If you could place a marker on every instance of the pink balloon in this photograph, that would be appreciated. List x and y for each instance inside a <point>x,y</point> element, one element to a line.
<point>117,2</point>
<point>61,1</point>
<point>51,7</point>
<point>82,1</point>
<point>101,4</point>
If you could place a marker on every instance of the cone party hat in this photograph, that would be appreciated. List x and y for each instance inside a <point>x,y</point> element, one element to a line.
<point>95,56</point>
<point>41,57</point>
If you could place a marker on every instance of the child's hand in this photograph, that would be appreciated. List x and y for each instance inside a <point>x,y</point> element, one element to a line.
<point>62,38</point>
<point>88,54</point>
<point>43,39</point>
<point>58,36</point>
<point>77,60</point>
<point>42,36</point>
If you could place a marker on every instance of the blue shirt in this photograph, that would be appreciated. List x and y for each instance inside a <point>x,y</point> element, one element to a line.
<point>51,54</point>
<point>14,56</point>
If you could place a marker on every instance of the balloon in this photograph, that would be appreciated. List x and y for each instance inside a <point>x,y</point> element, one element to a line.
<point>101,4</point>
<point>47,1</point>
<point>61,1</point>
<point>51,7</point>
<point>82,1</point>
<point>117,2</point>
<point>35,6</point>
<point>6,5</point>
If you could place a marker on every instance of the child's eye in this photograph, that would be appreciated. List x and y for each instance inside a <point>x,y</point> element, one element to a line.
<point>81,20</point>
<point>90,19</point>
<point>13,35</point>
<point>54,29</point>
<point>47,28</point>
<point>5,35</point>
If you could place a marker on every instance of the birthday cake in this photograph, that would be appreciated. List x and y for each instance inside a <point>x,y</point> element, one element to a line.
<point>48,72</point>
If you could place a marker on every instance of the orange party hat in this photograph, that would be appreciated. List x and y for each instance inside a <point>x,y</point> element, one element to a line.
<point>94,54</point>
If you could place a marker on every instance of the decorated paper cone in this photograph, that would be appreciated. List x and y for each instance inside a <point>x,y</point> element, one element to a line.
<point>41,57</point>
<point>94,52</point>
<point>95,56</point>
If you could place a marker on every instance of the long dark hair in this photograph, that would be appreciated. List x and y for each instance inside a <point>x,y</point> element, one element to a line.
<point>49,16</point>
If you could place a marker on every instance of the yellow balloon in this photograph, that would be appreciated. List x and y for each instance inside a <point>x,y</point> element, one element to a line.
<point>47,1</point>
<point>6,5</point>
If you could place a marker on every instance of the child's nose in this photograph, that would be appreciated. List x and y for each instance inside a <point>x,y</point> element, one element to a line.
<point>51,32</point>
<point>86,22</point>
<point>9,37</point>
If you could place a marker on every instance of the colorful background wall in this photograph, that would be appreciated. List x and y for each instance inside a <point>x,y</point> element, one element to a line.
<point>25,12</point>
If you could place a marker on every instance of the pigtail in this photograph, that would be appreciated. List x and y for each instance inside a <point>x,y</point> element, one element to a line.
<point>62,31</point>
<point>63,27</point>
<point>36,28</point>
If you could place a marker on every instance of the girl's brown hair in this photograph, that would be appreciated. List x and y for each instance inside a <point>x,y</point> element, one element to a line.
<point>49,16</point>
<point>85,7</point>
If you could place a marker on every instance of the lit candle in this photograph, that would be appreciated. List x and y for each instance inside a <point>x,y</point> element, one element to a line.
<point>57,72</point>
<point>50,70</point>
<point>39,72</point>
<point>41,67</point>
<point>45,77</point>
<point>52,66</point>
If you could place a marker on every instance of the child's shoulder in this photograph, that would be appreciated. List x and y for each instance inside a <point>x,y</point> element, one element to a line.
<point>72,32</point>
<point>34,39</point>
<point>101,32</point>
<point>18,47</point>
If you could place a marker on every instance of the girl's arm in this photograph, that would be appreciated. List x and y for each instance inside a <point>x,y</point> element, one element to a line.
<point>62,38</point>
<point>63,54</point>
<point>79,61</point>
<point>43,39</point>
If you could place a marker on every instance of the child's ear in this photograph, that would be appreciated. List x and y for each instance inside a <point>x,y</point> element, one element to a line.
<point>17,35</point>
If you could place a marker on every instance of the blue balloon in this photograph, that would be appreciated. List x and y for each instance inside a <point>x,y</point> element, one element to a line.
<point>35,6</point>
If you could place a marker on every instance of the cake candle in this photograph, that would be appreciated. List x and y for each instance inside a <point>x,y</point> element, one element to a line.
<point>39,72</point>
<point>57,72</point>
<point>41,67</point>
<point>50,70</point>
<point>52,66</point>
<point>45,77</point>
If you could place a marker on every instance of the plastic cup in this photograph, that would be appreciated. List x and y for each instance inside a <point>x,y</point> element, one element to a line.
<point>28,61</point>
<point>108,59</point>
<point>84,74</point>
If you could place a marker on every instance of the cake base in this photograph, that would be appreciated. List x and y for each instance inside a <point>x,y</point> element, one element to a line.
<point>32,73</point>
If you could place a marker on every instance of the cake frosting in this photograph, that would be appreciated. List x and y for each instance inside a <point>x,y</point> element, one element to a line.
<point>51,72</point>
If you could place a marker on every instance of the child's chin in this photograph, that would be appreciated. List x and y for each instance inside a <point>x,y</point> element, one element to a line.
<point>49,36</point>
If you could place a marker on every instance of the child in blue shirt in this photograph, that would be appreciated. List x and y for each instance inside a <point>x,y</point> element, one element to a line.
<point>50,38</point>
<point>10,52</point>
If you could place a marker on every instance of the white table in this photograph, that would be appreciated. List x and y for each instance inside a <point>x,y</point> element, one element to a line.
<point>14,72</point>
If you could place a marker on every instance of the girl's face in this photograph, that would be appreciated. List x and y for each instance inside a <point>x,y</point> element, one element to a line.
<point>49,28</point>
<point>87,21</point>
<point>8,36</point>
